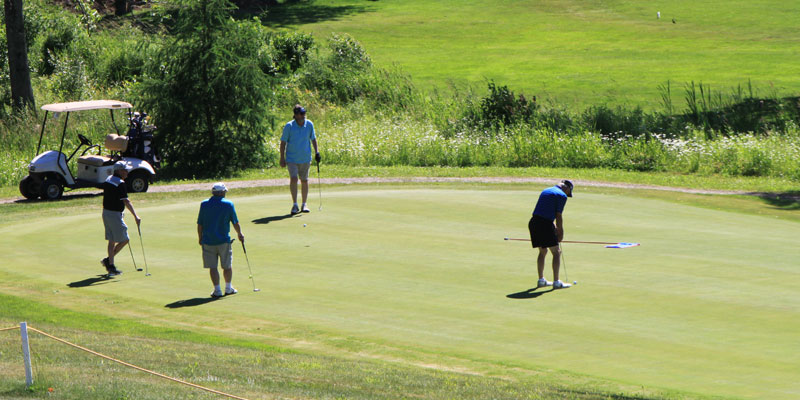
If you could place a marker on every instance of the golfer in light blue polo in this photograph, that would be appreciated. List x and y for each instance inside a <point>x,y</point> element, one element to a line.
<point>296,140</point>
<point>213,233</point>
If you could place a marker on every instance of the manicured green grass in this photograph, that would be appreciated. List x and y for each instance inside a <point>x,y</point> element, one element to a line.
<point>573,52</point>
<point>420,275</point>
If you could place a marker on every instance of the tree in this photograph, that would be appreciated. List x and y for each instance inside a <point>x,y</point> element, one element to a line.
<point>121,7</point>
<point>208,93</point>
<point>19,72</point>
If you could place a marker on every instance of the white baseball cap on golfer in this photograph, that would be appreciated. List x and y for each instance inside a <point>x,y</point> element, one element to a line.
<point>219,187</point>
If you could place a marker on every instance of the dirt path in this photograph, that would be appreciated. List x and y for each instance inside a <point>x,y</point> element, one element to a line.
<point>350,181</point>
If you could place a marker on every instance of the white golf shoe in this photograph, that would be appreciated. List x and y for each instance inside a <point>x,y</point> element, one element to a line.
<point>217,293</point>
<point>543,283</point>
<point>561,285</point>
<point>231,290</point>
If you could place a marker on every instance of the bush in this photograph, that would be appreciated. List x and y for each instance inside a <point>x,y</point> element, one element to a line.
<point>289,50</point>
<point>208,94</point>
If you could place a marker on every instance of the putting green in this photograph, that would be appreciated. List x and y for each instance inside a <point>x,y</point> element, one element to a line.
<point>708,304</point>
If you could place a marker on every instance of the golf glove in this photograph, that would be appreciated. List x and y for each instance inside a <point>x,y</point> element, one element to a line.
<point>317,157</point>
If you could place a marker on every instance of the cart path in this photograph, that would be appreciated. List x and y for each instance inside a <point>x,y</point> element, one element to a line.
<point>184,187</point>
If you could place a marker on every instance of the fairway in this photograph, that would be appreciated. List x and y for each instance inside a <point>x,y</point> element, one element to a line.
<point>707,305</point>
<point>573,52</point>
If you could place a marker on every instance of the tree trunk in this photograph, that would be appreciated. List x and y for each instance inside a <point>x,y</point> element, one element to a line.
<point>120,7</point>
<point>19,73</point>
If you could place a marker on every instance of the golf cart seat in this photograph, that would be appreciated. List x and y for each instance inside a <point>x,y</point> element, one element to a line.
<point>115,142</point>
<point>95,161</point>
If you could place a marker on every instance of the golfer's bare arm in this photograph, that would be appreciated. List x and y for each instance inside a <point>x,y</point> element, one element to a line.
<point>200,234</point>
<point>129,206</point>
<point>314,142</point>
<point>283,153</point>
<point>559,227</point>
<point>239,231</point>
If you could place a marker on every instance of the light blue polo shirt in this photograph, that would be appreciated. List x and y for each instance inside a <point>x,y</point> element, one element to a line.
<point>216,215</point>
<point>298,141</point>
<point>551,201</point>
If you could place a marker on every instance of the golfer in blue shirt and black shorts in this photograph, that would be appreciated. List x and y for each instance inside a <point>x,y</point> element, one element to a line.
<point>547,229</point>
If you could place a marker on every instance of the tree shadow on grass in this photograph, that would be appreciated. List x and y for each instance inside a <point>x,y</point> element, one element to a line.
<point>197,301</point>
<point>528,294</point>
<point>294,12</point>
<point>267,220</point>
<point>789,201</point>
<point>94,281</point>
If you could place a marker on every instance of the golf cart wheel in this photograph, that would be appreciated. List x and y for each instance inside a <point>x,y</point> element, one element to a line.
<point>138,181</point>
<point>52,189</point>
<point>29,188</point>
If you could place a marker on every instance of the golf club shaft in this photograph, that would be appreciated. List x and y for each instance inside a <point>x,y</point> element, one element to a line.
<point>132,259</point>
<point>319,185</point>
<point>248,266</point>
<point>141,243</point>
<point>567,241</point>
<point>563,262</point>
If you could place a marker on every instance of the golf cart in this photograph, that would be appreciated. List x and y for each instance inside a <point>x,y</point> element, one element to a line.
<point>49,174</point>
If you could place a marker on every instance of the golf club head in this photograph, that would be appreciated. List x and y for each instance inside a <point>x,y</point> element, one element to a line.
<point>139,270</point>
<point>256,290</point>
<point>147,274</point>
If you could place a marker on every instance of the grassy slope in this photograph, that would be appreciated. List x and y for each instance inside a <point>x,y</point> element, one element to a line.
<point>577,52</point>
<point>421,275</point>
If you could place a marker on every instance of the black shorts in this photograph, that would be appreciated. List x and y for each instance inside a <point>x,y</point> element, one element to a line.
<point>543,232</point>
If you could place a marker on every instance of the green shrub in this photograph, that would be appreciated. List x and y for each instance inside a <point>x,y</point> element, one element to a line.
<point>346,52</point>
<point>289,50</point>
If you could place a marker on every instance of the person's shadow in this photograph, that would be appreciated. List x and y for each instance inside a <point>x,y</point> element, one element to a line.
<point>529,294</point>
<point>97,280</point>
<point>267,220</point>
<point>197,301</point>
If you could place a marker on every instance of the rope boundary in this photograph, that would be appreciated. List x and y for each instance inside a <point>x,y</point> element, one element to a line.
<point>127,364</point>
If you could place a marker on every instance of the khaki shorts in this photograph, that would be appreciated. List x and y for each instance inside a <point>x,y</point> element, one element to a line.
<point>300,170</point>
<point>116,230</point>
<point>221,252</point>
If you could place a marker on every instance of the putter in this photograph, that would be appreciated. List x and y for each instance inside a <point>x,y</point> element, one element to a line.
<point>141,243</point>
<point>249,269</point>
<point>563,262</point>
<point>319,185</point>
<point>133,259</point>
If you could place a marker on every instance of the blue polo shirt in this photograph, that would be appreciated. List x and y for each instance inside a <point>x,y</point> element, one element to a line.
<point>298,141</point>
<point>551,201</point>
<point>216,215</point>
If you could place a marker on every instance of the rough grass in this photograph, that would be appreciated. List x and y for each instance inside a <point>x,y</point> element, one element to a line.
<point>568,51</point>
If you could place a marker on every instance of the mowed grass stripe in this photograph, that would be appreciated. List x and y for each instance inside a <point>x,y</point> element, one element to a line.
<point>581,52</point>
<point>425,273</point>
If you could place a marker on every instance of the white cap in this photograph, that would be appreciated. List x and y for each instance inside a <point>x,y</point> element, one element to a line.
<point>219,187</point>
<point>119,165</point>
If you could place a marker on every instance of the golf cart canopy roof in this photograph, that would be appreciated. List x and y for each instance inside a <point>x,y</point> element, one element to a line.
<point>86,105</point>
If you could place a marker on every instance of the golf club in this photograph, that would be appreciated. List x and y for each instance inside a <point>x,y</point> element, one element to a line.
<point>249,269</point>
<point>133,259</point>
<point>319,185</point>
<point>563,262</point>
<point>141,243</point>
<point>566,241</point>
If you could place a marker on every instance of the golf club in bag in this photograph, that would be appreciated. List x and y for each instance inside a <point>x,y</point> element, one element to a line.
<point>249,269</point>
<point>141,243</point>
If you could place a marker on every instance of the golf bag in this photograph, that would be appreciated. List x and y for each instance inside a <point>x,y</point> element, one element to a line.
<point>140,140</point>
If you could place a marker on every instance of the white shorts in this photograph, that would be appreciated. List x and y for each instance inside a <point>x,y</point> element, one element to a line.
<point>298,170</point>
<point>221,252</point>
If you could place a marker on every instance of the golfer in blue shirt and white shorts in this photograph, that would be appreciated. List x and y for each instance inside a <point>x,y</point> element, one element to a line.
<point>296,140</point>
